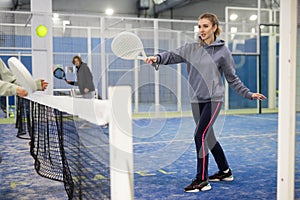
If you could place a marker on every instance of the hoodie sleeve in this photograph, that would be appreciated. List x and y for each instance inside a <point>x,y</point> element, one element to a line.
<point>38,84</point>
<point>7,89</point>
<point>5,73</point>
<point>233,80</point>
<point>173,57</point>
<point>73,83</point>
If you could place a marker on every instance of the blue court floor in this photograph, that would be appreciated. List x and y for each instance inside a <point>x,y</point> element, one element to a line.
<point>165,163</point>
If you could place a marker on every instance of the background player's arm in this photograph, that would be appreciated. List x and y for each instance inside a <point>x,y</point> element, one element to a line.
<point>72,82</point>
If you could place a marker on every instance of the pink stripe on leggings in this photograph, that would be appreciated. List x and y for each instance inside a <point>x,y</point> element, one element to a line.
<point>203,139</point>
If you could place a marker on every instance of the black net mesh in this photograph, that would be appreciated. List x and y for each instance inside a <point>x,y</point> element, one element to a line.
<point>22,124</point>
<point>67,149</point>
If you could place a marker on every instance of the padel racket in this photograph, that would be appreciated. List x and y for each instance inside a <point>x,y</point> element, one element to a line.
<point>129,46</point>
<point>59,73</point>
<point>22,75</point>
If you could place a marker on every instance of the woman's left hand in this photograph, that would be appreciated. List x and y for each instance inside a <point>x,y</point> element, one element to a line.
<point>44,84</point>
<point>258,96</point>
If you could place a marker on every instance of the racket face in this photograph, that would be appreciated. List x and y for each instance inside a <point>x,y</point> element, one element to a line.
<point>128,46</point>
<point>59,73</point>
<point>22,74</point>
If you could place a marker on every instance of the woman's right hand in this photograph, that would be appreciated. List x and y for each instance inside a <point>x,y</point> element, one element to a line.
<point>150,60</point>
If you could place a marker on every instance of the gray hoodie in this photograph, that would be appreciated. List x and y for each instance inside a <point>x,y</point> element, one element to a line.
<point>205,65</point>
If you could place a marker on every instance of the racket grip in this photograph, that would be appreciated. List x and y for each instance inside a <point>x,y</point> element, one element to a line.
<point>141,57</point>
<point>155,65</point>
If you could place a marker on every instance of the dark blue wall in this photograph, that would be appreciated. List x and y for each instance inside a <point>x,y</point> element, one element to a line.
<point>248,73</point>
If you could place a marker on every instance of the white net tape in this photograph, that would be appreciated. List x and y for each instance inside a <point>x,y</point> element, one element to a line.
<point>92,110</point>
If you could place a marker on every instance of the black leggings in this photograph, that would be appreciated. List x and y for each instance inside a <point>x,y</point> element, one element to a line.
<point>205,115</point>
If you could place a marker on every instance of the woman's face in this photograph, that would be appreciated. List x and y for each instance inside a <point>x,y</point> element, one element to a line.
<point>77,62</point>
<point>206,30</point>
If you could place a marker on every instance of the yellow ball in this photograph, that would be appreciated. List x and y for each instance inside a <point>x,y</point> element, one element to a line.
<point>41,30</point>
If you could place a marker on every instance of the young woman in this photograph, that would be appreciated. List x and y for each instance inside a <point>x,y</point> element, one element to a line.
<point>206,63</point>
<point>84,78</point>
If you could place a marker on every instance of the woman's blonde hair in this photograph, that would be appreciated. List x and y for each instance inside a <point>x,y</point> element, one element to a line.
<point>214,21</point>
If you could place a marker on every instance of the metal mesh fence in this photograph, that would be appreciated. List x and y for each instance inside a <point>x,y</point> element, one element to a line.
<point>91,37</point>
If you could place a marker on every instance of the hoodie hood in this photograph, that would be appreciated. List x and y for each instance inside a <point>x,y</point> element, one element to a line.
<point>216,43</point>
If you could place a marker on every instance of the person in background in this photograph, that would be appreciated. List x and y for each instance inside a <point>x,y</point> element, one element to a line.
<point>9,86</point>
<point>84,79</point>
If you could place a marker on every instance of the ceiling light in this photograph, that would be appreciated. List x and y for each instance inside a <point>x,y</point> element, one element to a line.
<point>109,11</point>
<point>55,15</point>
<point>158,1</point>
<point>66,22</point>
<point>233,29</point>
<point>253,17</point>
<point>233,17</point>
<point>55,18</point>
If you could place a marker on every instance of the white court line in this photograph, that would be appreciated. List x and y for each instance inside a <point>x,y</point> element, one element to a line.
<point>163,141</point>
<point>251,135</point>
<point>256,117</point>
<point>192,140</point>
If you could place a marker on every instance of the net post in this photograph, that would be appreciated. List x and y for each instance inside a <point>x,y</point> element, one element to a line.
<point>287,101</point>
<point>120,141</point>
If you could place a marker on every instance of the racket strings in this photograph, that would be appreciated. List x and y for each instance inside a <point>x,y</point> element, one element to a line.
<point>127,46</point>
<point>59,73</point>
